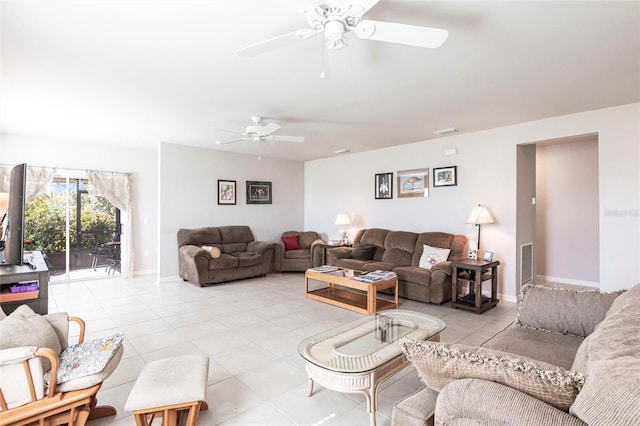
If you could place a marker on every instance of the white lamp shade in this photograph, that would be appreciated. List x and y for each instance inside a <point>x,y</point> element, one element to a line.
<point>342,219</point>
<point>479,215</point>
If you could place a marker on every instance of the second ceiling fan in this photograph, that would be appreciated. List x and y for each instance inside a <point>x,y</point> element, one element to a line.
<point>258,133</point>
<point>336,18</point>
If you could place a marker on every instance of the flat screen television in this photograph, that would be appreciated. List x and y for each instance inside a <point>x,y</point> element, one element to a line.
<point>14,223</point>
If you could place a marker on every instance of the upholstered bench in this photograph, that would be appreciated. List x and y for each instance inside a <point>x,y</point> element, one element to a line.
<point>169,387</point>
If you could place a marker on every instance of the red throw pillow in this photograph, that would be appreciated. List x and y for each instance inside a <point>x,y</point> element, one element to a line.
<point>291,243</point>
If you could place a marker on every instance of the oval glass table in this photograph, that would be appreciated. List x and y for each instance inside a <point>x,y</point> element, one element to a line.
<point>358,356</point>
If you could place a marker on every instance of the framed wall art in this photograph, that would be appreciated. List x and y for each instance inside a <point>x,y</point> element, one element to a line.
<point>384,186</point>
<point>226,192</point>
<point>258,192</point>
<point>413,183</point>
<point>445,176</point>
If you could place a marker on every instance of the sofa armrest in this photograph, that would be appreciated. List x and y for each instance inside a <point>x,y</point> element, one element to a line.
<point>443,266</point>
<point>334,254</point>
<point>193,251</point>
<point>316,251</point>
<point>278,255</point>
<point>460,399</point>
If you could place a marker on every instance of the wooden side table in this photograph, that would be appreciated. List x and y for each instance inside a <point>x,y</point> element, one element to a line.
<point>474,272</point>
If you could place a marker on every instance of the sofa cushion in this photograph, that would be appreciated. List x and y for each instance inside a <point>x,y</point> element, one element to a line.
<point>432,255</point>
<point>375,266</point>
<point>374,236</point>
<point>542,309</point>
<point>297,254</point>
<point>307,238</point>
<point>413,274</point>
<point>363,252</point>
<point>355,264</point>
<point>415,409</point>
<point>225,261</point>
<point>554,348</point>
<point>246,259</point>
<point>399,247</point>
<point>199,236</point>
<point>23,327</point>
<point>291,243</point>
<point>441,363</point>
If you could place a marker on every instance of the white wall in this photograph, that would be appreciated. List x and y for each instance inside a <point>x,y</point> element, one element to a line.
<point>142,164</point>
<point>567,212</point>
<point>189,199</point>
<point>486,163</point>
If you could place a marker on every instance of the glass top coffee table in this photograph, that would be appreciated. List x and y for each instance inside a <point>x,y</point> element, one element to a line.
<point>358,356</point>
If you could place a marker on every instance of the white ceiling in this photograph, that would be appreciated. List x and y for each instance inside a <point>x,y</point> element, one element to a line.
<point>139,72</point>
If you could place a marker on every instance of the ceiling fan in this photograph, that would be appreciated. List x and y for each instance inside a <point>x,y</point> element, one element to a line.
<point>258,133</point>
<point>336,18</point>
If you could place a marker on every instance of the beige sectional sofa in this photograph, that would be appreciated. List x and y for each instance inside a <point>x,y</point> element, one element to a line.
<point>217,254</point>
<point>570,358</point>
<point>401,252</point>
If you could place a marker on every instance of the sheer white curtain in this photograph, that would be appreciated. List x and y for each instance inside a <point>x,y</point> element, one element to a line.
<point>38,179</point>
<point>116,187</point>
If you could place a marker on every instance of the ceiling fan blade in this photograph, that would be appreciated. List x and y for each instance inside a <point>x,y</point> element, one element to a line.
<point>275,43</point>
<point>401,33</point>
<point>231,140</point>
<point>283,138</point>
<point>269,128</point>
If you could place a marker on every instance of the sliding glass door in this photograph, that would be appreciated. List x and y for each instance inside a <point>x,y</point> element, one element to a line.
<point>78,233</point>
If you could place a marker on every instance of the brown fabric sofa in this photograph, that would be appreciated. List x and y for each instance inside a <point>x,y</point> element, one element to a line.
<point>309,254</point>
<point>238,255</point>
<point>589,340</point>
<point>400,252</point>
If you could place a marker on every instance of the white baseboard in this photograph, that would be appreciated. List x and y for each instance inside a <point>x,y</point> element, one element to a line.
<point>145,272</point>
<point>567,281</point>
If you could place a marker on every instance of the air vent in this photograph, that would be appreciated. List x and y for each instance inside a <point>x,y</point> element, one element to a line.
<point>443,132</point>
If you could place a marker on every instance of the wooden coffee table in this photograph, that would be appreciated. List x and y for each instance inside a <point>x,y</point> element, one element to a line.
<point>350,294</point>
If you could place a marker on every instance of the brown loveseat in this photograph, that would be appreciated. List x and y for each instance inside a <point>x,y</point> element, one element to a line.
<point>224,253</point>
<point>303,250</point>
<point>400,252</point>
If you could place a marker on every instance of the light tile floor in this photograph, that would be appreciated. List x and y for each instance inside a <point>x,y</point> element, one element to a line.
<point>250,330</point>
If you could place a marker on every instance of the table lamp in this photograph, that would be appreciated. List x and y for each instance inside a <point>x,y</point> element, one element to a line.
<point>343,219</point>
<point>479,216</point>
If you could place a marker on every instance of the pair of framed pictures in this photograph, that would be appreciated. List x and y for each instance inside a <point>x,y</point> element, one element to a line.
<point>257,192</point>
<point>413,183</point>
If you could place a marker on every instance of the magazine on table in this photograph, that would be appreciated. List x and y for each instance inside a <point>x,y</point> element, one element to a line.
<point>375,276</point>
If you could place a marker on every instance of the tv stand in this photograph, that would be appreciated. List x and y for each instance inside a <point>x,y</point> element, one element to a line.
<point>11,275</point>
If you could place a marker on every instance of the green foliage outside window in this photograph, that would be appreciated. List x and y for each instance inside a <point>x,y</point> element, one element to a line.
<point>45,223</point>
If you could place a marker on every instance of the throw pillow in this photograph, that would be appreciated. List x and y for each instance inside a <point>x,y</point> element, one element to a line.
<point>441,363</point>
<point>23,327</point>
<point>543,308</point>
<point>214,252</point>
<point>291,243</point>
<point>84,359</point>
<point>432,255</point>
<point>364,252</point>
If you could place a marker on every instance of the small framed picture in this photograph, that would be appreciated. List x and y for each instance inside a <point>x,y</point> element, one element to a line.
<point>413,183</point>
<point>488,256</point>
<point>445,176</point>
<point>226,192</point>
<point>258,192</point>
<point>384,186</point>
<point>472,254</point>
